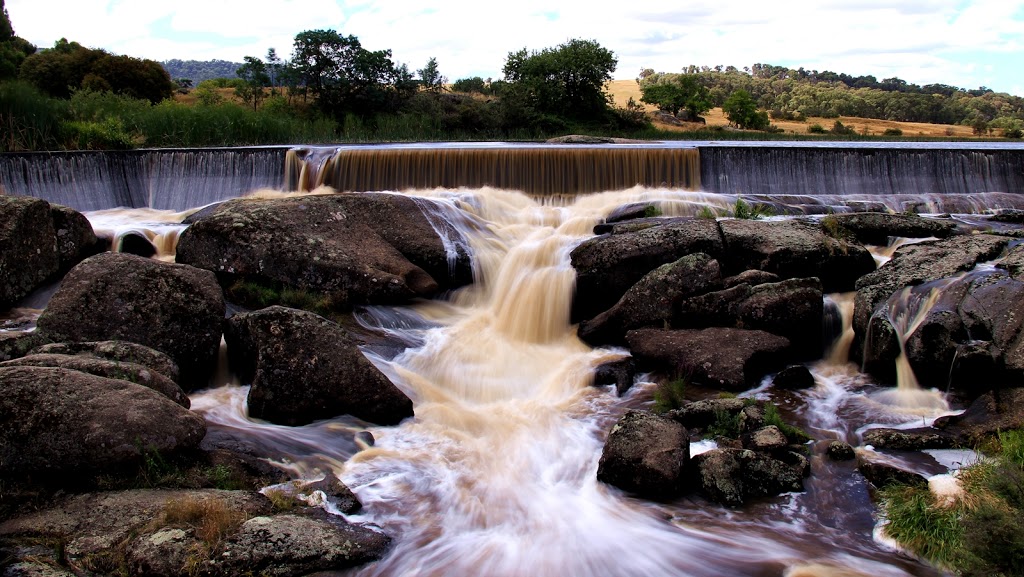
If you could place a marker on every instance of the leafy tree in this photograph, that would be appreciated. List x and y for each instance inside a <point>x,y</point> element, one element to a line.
<point>344,77</point>
<point>430,77</point>
<point>472,84</point>
<point>678,92</point>
<point>742,111</point>
<point>566,81</point>
<point>69,66</point>
<point>254,75</point>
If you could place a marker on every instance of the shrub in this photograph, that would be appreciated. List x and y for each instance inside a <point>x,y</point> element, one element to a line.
<point>841,129</point>
<point>816,129</point>
<point>1013,133</point>
<point>744,211</point>
<point>892,132</point>
<point>669,395</point>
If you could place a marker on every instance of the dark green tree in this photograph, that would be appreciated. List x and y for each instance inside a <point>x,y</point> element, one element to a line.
<point>680,92</point>
<point>566,81</point>
<point>255,78</point>
<point>343,77</point>
<point>69,66</point>
<point>430,77</point>
<point>473,84</point>
<point>741,110</point>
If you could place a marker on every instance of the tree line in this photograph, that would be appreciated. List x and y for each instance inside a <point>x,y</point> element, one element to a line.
<point>789,94</point>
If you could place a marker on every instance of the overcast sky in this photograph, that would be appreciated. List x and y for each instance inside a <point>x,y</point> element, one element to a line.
<point>966,43</point>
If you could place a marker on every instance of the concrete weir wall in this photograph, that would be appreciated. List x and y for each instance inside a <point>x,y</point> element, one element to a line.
<point>178,179</point>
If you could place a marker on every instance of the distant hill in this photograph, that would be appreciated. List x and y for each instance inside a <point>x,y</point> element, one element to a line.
<point>199,70</point>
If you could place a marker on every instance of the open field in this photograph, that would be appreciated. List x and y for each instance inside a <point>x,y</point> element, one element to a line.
<point>623,90</point>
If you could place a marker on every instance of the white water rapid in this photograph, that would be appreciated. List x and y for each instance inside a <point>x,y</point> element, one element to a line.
<point>496,474</point>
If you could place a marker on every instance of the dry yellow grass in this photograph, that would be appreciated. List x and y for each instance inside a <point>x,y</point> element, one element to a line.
<point>623,90</point>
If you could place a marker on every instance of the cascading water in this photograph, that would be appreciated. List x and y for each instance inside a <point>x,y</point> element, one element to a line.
<point>496,474</point>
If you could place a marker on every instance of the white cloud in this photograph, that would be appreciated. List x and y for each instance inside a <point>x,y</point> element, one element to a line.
<point>921,41</point>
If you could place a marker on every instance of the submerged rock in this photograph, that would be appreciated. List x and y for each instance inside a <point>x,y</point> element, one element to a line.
<point>175,309</point>
<point>883,474</point>
<point>619,373</point>
<point>303,367</point>
<point>794,378</point>
<point>645,454</point>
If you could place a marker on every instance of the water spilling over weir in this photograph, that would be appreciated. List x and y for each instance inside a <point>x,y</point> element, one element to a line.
<point>791,172</point>
<point>496,474</point>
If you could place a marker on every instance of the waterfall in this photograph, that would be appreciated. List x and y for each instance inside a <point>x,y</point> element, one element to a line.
<point>159,179</point>
<point>863,170</point>
<point>539,170</point>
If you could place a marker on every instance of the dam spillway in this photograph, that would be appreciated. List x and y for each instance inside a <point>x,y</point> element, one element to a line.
<point>181,179</point>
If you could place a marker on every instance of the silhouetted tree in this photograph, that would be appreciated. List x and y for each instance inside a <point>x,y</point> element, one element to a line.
<point>254,75</point>
<point>430,77</point>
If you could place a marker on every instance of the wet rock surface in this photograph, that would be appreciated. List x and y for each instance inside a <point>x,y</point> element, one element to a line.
<point>303,367</point>
<point>724,358</point>
<point>877,227</point>
<point>646,454</point>
<point>357,248</point>
<point>734,476</point>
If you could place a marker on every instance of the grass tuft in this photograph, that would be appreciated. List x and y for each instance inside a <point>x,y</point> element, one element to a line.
<point>669,395</point>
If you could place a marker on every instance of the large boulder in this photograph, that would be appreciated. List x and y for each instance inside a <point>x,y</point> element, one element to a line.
<point>131,372</point>
<point>995,411</point>
<point>970,339</point>
<point>175,309</point>
<point>606,266</point>
<point>878,227</point>
<point>61,421</point>
<point>28,248</point>
<point>76,239</point>
<point>358,247</point>
<point>791,308</point>
<point>917,264</point>
<point>646,454</point>
<point>293,545</point>
<point>116,351</point>
<point>724,358</point>
<point>652,300</point>
<point>793,249</point>
<point>732,476</point>
<point>37,241</point>
<point>303,367</point>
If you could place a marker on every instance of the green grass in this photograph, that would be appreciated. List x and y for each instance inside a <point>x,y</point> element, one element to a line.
<point>669,395</point>
<point>726,424</point>
<point>744,211</point>
<point>981,534</point>
<point>793,434</point>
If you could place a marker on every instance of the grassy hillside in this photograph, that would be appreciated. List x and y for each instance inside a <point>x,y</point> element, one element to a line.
<point>623,90</point>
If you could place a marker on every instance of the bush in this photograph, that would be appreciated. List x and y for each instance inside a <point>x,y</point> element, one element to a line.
<point>669,395</point>
<point>816,129</point>
<point>892,132</point>
<point>841,129</point>
<point>1013,133</point>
